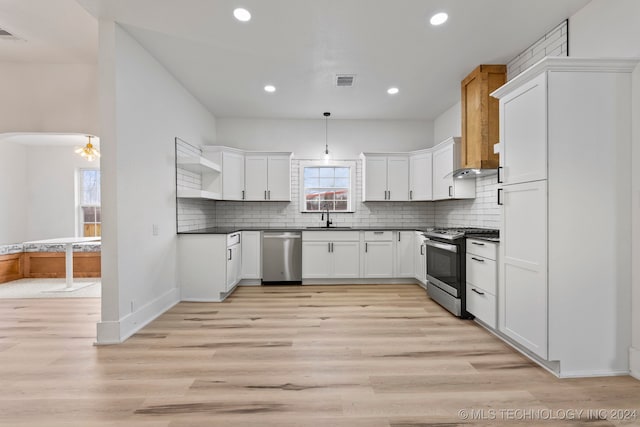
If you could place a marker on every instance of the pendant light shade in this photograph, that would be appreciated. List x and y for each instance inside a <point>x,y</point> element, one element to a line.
<point>326,136</point>
<point>89,152</point>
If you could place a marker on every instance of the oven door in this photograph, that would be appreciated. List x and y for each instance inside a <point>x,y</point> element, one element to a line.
<point>444,266</point>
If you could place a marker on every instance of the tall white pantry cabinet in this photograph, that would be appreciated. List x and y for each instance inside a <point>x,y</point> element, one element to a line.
<point>565,245</point>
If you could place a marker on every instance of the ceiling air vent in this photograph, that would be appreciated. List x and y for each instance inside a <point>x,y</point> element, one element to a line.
<point>345,80</point>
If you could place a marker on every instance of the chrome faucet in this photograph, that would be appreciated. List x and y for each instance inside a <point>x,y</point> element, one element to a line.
<point>329,222</point>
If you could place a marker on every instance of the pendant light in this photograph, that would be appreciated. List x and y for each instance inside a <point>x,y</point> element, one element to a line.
<point>89,152</point>
<point>326,136</point>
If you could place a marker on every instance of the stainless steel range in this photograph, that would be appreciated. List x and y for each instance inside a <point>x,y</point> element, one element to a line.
<point>446,270</point>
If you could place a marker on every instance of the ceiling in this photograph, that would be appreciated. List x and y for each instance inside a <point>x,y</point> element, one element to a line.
<point>299,46</point>
<point>48,31</point>
<point>49,139</point>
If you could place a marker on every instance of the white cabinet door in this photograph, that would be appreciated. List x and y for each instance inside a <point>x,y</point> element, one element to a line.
<point>523,133</point>
<point>234,265</point>
<point>202,266</point>
<point>255,177</point>
<point>398,179</point>
<point>279,178</point>
<point>404,254</point>
<point>232,176</point>
<point>420,258</point>
<point>421,177</point>
<point>523,265</point>
<point>375,178</point>
<point>251,255</point>
<point>346,259</point>
<point>442,169</point>
<point>378,259</point>
<point>317,260</point>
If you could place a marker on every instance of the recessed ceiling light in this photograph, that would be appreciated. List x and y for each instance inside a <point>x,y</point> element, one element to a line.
<point>439,18</point>
<point>270,88</point>
<point>393,90</point>
<point>242,15</point>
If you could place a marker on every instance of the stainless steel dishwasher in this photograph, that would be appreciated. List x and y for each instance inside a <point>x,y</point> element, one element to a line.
<point>281,257</point>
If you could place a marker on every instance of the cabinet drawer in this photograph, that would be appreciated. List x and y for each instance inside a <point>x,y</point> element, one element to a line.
<point>482,272</point>
<point>378,235</point>
<point>482,306</point>
<point>482,248</point>
<point>331,236</point>
<point>233,239</point>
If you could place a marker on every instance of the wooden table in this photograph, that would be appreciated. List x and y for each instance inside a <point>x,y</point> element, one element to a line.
<point>68,242</point>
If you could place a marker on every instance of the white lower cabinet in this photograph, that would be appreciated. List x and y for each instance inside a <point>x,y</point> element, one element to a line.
<point>330,254</point>
<point>378,254</point>
<point>420,258</point>
<point>481,286</point>
<point>251,255</point>
<point>207,266</point>
<point>404,254</point>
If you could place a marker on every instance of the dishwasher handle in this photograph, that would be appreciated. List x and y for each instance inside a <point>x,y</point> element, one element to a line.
<point>281,236</point>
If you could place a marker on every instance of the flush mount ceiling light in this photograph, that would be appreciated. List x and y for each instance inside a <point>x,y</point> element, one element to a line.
<point>89,152</point>
<point>270,88</point>
<point>242,14</point>
<point>439,18</point>
<point>326,135</point>
<point>393,90</point>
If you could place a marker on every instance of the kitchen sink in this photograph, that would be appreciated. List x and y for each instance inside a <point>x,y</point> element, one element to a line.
<point>324,227</point>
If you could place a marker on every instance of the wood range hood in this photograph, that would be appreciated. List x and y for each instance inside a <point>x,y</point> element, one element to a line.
<point>480,121</point>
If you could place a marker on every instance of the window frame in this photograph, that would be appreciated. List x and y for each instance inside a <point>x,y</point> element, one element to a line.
<point>350,164</point>
<point>79,197</point>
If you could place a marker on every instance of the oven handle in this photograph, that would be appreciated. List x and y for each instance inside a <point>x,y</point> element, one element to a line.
<point>443,246</point>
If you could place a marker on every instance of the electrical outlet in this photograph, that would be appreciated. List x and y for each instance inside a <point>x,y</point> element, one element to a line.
<point>132,305</point>
<point>155,229</point>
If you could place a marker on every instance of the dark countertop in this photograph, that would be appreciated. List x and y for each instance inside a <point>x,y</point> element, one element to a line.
<point>228,230</point>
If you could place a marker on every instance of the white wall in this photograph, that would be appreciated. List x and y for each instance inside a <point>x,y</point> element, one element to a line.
<point>610,29</point>
<point>51,189</point>
<point>449,123</point>
<point>306,138</point>
<point>142,109</point>
<point>606,28</point>
<point>13,195</point>
<point>49,98</point>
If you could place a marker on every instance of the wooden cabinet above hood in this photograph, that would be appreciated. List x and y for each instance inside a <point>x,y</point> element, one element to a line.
<point>480,116</point>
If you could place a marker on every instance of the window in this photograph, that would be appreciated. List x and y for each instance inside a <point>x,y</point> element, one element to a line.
<point>327,186</point>
<point>89,202</point>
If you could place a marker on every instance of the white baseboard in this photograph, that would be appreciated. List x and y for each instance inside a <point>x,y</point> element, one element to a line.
<point>359,282</point>
<point>250,282</point>
<point>115,332</point>
<point>634,362</point>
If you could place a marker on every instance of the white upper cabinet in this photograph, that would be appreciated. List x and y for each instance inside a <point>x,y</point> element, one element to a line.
<point>386,177</point>
<point>523,134</point>
<point>446,157</point>
<point>267,177</point>
<point>232,175</point>
<point>421,176</point>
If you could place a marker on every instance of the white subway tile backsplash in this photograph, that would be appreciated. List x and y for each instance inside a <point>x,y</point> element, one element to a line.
<point>554,43</point>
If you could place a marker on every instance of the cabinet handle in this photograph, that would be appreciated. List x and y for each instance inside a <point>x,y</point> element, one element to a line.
<point>477,259</point>
<point>242,194</point>
<point>499,198</point>
<point>421,249</point>
<point>269,193</point>
<point>389,194</point>
<point>450,189</point>
<point>477,291</point>
<point>229,259</point>
<point>399,234</point>
<point>265,194</point>
<point>478,244</point>
<point>331,246</point>
<point>410,194</point>
<point>366,247</point>
<point>499,176</point>
<point>328,247</point>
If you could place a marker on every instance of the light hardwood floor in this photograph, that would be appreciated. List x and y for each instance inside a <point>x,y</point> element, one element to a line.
<point>344,356</point>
